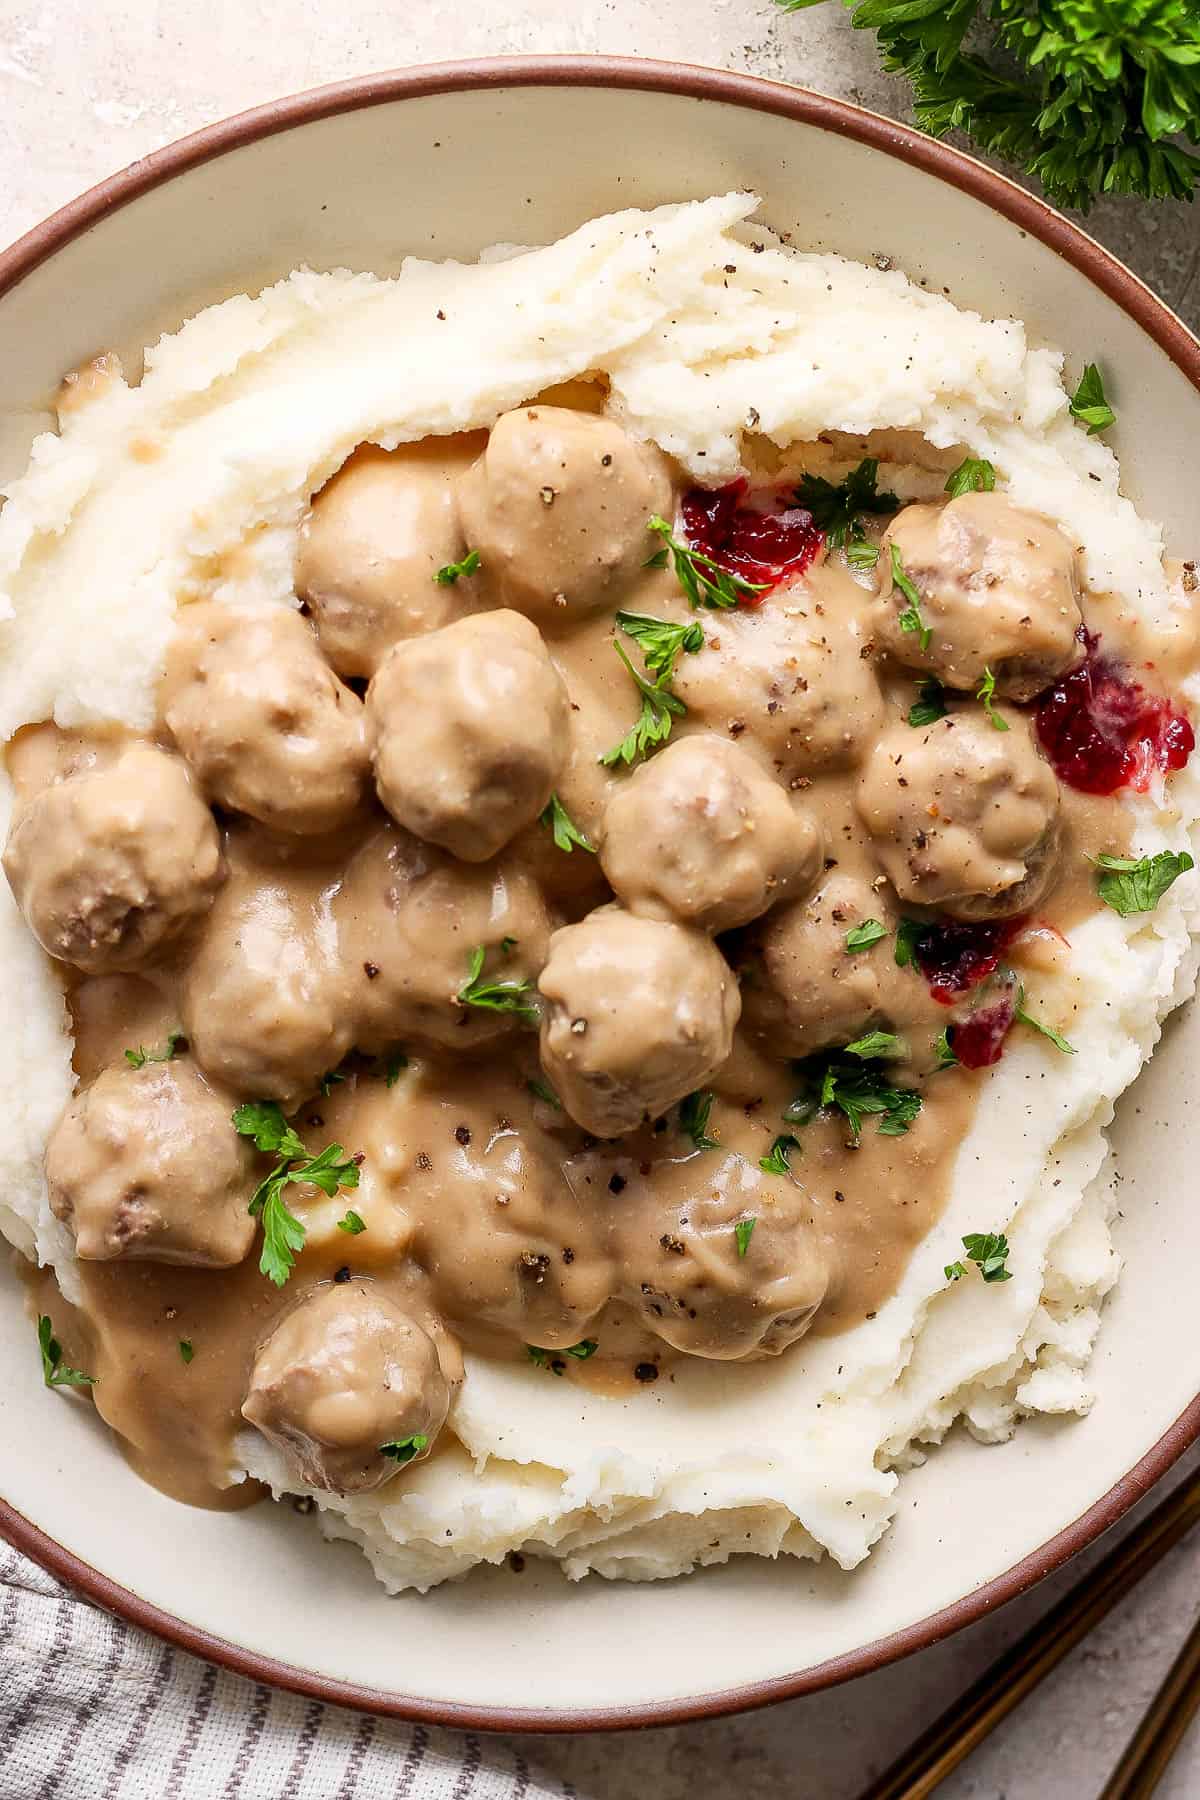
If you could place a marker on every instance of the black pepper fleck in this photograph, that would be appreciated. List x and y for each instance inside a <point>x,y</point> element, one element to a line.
<point>645,1372</point>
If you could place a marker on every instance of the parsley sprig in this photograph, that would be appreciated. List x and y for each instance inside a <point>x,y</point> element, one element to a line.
<point>660,641</point>
<point>693,1119</point>
<point>837,508</point>
<point>988,1251</point>
<point>910,618</point>
<point>974,475</point>
<point>862,937</point>
<point>986,691</point>
<point>510,996</point>
<point>743,1231</point>
<point>853,1081</point>
<point>704,581</point>
<point>652,727</point>
<point>137,1059</point>
<point>567,834</point>
<point>55,1372</point>
<point>776,1161</point>
<point>402,1450</point>
<point>1026,1018</point>
<point>552,1359</point>
<point>449,573</point>
<point>1089,403</point>
<point>1135,885</point>
<point>929,705</point>
<point>283,1232</point>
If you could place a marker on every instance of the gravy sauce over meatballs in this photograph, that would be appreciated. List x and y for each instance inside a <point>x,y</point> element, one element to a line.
<point>621,1009</point>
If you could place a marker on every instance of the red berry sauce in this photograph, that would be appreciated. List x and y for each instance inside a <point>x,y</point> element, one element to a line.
<point>1102,731</point>
<point>979,1041</point>
<point>762,546</point>
<point>954,956</point>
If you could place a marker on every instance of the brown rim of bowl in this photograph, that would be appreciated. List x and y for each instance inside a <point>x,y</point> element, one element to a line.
<point>1002,196</point>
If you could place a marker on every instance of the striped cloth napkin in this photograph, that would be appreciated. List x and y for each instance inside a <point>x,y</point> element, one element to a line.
<point>92,1709</point>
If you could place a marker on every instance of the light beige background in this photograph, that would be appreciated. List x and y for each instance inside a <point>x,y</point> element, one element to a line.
<point>87,88</point>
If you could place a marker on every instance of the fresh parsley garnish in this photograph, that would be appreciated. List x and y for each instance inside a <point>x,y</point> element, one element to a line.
<point>582,1350</point>
<point>402,1450</point>
<point>552,1359</point>
<point>943,1050</point>
<point>875,1044</point>
<point>55,1372</point>
<point>1132,885</point>
<point>283,1233</point>
<point>861,937</point>
<point>391,1066</point>
<point>693,1119</point>
<point>857,1089</point>
<point>986,691</point>
<point>955,1271</point>
<point>974,475</point>
<point>186,1350</point>
<point>836,507</point>
<point>704,581</point>
<point>910,618</point>
<point>929,705</point>
<point>541,1090</point>
<point>660,709</point>
<point>1089,404</point>
<point>137,1059</point>
<point>329,1080</point>
<point>989,1252</point>
<point>496,996</point>
<point>352,1223</point>
<point>660,641</point>
<point>1027,1018</point>
<point>743,1231</point>
<point>450,572</point>
<point>776,1162</point>
<point>908,935</point>
<point>567,834</point>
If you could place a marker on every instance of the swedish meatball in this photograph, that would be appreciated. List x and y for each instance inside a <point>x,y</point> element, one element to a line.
<point>467,728</point>
<point>639,1012</point>
<point>789,682</point>
<point>370,549</point>
<point>558,507</point>
<point>701,835</point>
<point>109,866</point>
<point>999,590</point>
<point>963,816</point>
<point>409,921</point>
<point>803,991</point>
<point>344,1375</point>
<point>265,1002</point>
<point>145,1165</point>
<point>267,727</point>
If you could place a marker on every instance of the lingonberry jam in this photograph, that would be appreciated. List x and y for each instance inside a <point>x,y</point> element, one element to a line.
<point>955,956</point>
<point>760,545</point>
<point>1102,731</point>
<point>979,1041</point>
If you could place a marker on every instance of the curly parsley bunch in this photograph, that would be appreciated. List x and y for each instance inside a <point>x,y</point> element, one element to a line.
<point>1086,95</point>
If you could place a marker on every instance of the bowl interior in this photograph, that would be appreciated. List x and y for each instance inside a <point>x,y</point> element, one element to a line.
<point>444,174</point>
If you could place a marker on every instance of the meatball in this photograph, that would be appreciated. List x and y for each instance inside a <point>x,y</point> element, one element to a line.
<point>639,1012</point>
<point>349,1387</point>
<point>963,816</point>
<point>109,866</point>
<point>468,731</point>
<point>145,1165</point>
<point>409,922</point>
<point>265,1002</point>
<point>370,549</point>
<point>700,834</point>
<point>787,682</point>
<point>558,507</point>
<point>803,991</point>
<point>999,591</point>
<point>267,727</point>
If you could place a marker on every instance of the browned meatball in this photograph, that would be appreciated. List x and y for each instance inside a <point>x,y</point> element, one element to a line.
<point>786,682</point>
<point>467,728</point>
<point>349,1387</point>
<point>370,550</point>
<point>999,590</point>
<point>702,835</point>
<point>111,865</point>
<point>558,508</point>
<point>145,1164</point>
<point>963,816</point>
<point>409,921</point>
<point>639,1012</point>
<point>268,729</point>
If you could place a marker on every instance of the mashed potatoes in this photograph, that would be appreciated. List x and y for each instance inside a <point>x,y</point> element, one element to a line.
<point>193,486</point>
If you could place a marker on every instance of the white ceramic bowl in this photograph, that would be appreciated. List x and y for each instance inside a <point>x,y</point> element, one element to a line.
<point>441,161</point>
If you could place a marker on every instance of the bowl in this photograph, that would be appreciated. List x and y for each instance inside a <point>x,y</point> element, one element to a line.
<point>441,161</point>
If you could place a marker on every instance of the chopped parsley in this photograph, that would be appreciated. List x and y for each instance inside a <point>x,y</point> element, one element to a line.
<point>541,1090</point>
<point>836,508</point>
<point>552,1359</point>
<point>496,996</point>
<point>955,1271</point>
<point>986,691</point>
<point>55,1372</point>
<point>776,1162</point>
<point>908,935</point>
<point>876,1043</point>
<point>567,834</point>
<point>450,572</point>
<point>186,1350</point>
<point>137,1059</point>
<point>1132,885</point>
<point>1027,1018</point>
<point>929,705</point>
<point>352,1223</point>
<point>1089,403</point>
<point>974,475</point>
<point>910,618</point>
<point>660,641</point>
<point>402,1450</point>
<point>283,1233</point>
<point>943,1050</point>
<point>704,581</point>
<point>857,1089</point>
<point>330,1080</point>
<point>861,937</point>
<point>391,1066</point>
<point>693,1119</point>
<point>660,709</point>
<point>743,1231</point>
<point>989,1252</point>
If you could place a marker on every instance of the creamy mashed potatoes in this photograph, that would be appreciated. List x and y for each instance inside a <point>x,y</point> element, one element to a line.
<point>717,344</point>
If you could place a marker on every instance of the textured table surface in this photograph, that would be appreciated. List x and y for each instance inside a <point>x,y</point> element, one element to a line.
<point>84,89</point>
